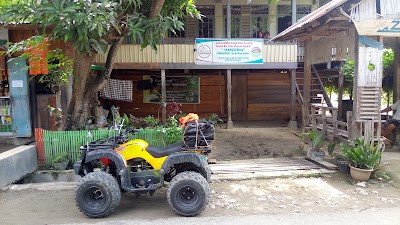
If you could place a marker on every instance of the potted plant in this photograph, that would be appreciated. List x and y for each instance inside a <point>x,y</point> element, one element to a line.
<point>364,156</point>
<point>317,141</point>
<point>60,162</point>
<point>342,163</point>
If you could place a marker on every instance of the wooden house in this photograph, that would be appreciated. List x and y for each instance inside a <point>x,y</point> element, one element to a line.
<point>348,29</point>
<point>236,91</point>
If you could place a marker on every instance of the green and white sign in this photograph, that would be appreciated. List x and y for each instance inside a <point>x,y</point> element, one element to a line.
<point>229,51</point>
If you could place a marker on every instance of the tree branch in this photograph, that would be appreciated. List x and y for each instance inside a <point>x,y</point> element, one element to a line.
<point>156,7</point>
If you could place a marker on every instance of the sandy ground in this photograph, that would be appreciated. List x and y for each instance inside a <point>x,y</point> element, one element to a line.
<point>329,193</point>
<point>271,196</point>
<point>255,142</point>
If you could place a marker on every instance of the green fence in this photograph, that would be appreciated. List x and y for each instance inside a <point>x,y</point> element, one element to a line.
<point>58,142</point>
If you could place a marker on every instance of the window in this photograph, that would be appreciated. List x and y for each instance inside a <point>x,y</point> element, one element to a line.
<point>236,12</point>
<point>179,33</point>
<point>303,10</point>
<point>205,28</point>
<point>285,15</point>
<point>259,19</point>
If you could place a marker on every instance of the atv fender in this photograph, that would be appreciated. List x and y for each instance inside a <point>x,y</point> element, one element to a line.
<point>198,160</point>
<point>108,154</point>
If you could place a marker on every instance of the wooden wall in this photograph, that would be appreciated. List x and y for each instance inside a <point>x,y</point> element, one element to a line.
<point>256,95</point>
<point>268,96</point>
<point>212,94</point>
<point>20,35</point>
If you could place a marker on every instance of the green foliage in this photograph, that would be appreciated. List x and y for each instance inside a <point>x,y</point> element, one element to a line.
<point>214,118</point>
<point>363,154</point>
<point>60,67</point>
<point>150,121</point>
<point>316,138</point>
<point>62,157</point>
<point>388,62</point>
<point>171,130</point>
<point>92,25</point>
<point>331,148</point>
<point>348,73</point>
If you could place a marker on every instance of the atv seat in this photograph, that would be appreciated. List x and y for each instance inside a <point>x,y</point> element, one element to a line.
<point>159,152</point>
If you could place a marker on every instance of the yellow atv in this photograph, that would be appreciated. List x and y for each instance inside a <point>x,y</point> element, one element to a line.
<point>136,167</point>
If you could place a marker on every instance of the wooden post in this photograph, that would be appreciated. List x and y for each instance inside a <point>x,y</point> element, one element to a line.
<point>307,78</point>
<point>313,119</point>
<point>356,129</point>
<point>396,95</point>
<point>340,94</point>
<point>293,122</point>
<point>324,127</point>
<point>294,11</point>
<point>335,123</point>
<point>163,97</point>
<point>228,19</point>
<point>229,94</point>
<point>349,115</point>
<point>305,121</point>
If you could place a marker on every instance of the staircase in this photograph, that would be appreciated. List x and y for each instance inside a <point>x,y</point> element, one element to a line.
<point>318,95</point>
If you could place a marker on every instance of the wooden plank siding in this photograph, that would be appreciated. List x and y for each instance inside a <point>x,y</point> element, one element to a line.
<point>212,95</point>
<point>269,96</point>
<point>263,95</point>
<point>184,53</point>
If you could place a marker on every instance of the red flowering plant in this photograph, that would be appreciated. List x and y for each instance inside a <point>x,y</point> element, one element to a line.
<point>173,108</point>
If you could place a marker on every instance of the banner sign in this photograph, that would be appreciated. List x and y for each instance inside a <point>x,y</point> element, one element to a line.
<point>229,51</point>
<point>183,89</point>
<point>381,27</point>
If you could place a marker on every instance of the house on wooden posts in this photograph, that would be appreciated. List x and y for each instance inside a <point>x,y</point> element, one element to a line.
<point>339,30</point>
<point>215,66</point>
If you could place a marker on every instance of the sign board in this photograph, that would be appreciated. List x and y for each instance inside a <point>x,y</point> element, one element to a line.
<point>229,51</point>
<point>182,89</point>
<point>381,27</point>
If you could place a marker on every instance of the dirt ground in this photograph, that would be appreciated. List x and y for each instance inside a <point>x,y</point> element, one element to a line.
<point>250,141</point>
<point>331,193</point>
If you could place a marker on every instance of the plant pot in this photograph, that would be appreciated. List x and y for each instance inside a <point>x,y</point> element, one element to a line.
<point>316,155</point>
<point>343,166</point>
<point>360,174</point>
<point>60,166</point>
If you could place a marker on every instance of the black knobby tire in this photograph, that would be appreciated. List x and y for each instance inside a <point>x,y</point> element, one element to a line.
<point>208,173</point>
<point>188,193</point>
<point>97,194</point>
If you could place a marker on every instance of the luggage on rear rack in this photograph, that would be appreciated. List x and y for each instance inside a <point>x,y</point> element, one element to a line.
<point>199,134</point>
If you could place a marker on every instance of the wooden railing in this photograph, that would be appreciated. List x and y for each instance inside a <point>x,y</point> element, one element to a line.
<point>326,119</point>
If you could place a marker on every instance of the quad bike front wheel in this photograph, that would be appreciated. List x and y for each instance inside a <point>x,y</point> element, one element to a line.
<point>188,193</point>
<point>97,194</point>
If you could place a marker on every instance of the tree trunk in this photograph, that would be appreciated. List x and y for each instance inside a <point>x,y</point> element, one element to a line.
<point>85,86</point>
<point>82,95</point>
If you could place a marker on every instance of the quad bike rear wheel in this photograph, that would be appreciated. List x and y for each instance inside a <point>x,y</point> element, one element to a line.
<point>97,194</point>
<point>188,193</point>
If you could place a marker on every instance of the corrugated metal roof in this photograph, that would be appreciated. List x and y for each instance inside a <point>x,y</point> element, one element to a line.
<point>323,10</point>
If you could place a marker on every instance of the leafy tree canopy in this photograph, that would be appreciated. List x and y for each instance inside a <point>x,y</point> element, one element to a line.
<point>91,25</point>
<point>98,26</point>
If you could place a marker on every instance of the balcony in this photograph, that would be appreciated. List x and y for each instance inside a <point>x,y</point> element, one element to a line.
<point>180,54</point>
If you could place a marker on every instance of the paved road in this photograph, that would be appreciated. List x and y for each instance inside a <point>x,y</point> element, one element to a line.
<point>388,216</point>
